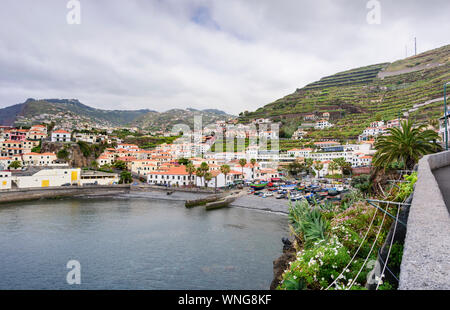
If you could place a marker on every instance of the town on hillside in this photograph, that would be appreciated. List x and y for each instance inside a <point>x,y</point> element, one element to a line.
<point>26,161</point>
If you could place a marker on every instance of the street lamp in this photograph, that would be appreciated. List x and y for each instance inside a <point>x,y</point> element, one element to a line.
<point>445,115</point>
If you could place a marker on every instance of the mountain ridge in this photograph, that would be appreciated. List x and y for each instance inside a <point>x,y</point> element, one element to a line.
<point>41,110</point>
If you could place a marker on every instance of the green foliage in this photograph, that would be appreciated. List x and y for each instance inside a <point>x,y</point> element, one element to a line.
<point>407,187</point>
<point>361,182</point>
<point>121,165</point>
<point>319,264</point>
<point>355,98</point>
<point>15,164</point>
<point>184,161</point>
<point>37,149</point>
<point>63,154</point>
<point>308,223</point>
<point>125,177</point>
<point>85,148</point>
<point>405,145</point>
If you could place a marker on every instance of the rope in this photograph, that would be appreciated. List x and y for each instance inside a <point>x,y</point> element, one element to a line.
<point>364,239</point>
<point>390,247</point>
<point>390,271</point>
<point>370,252</point>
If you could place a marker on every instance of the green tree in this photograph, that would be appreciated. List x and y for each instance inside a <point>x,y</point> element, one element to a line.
<point>318,166</point>
<point>309,162</point>
<point>242,163</point>
<point>253,163</point>
<point>208,177</point>
<point>63,154</point>
<point>225,169</point>
<point>15,165</point>
<point>333,166</point>
<point>200,173</point>
<point>296,167</point>
<point>125,177</point>
<point>37,149</point>
<point>184,161</point>
<point>121,165</point>
<point>406,144</point>
<point>190,169</point>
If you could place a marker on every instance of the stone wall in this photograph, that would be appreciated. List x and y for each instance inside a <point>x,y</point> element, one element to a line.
<point>15,195</point>
<point>426,264</point>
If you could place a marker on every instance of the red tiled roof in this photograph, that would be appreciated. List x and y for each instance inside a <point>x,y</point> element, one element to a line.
<point>61,131</point>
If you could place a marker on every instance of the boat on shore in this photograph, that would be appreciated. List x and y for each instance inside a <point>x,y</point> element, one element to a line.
<point>258,186</point>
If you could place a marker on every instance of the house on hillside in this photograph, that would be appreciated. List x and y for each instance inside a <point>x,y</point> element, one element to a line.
<point>60,136</point>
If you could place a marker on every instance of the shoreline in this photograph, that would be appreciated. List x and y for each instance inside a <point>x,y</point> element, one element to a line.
<point>23,195</point>
<point>150,192</point>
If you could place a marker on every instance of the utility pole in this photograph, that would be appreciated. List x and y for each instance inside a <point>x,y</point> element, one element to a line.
<point>445,115</point>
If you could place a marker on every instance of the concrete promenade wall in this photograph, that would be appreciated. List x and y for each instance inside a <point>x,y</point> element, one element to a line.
<point>426,255</point>
<point>14,195</point>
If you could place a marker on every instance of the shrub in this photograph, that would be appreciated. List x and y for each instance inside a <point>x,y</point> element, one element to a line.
<point>308,223</point>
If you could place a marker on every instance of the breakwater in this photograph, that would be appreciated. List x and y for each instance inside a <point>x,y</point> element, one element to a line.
<point>17,195</point>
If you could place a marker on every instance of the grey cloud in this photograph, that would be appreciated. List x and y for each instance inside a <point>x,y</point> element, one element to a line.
<point>233,55</point>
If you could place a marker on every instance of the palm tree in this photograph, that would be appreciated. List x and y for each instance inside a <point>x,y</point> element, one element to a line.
<point>309,162</point>
<point>199,173</point>
<point>242,163</point>
<point>190,169</point>
<point>333,166</point>
<point>208,177</point>
<point>225,169</point>
<point>253,163</point>
<point>405,145</point>
<point>318,166</point>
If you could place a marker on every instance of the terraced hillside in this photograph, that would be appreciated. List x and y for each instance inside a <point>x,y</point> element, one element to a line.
<point>359,96</point>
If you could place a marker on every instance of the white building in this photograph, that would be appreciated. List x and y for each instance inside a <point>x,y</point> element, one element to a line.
<point>39,159</point>
<point>60,136</point>
<point>86,137</point>
<point>5,180</point>
<point>98,178</point>
<point>48,177</point>
<point>299,152</point>
<point>128,147</point>
<point>323,124</point>
<point>442,121</point>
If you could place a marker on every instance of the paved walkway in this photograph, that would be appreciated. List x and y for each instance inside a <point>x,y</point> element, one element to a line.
<point>442,176</point>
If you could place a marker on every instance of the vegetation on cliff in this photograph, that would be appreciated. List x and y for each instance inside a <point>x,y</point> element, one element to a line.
<point>334,243</point>
<point>357,97</point>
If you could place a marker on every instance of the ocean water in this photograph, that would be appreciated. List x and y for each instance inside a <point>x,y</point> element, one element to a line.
<point>137,242</point>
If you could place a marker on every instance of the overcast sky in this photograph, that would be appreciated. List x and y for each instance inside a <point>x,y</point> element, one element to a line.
<point>232,55</point>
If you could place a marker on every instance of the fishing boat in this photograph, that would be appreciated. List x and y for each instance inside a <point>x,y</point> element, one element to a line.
<point>258,186</point>
<point>323,194</point>
<point>332,192</point>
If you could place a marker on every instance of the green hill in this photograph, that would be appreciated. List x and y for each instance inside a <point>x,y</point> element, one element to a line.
<point>166,120</point>
<point>35,111</point>
<point>356,97</point>
<point>72,113</point>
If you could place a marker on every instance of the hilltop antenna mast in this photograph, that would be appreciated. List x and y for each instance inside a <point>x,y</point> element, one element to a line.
<point>415,46</point>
